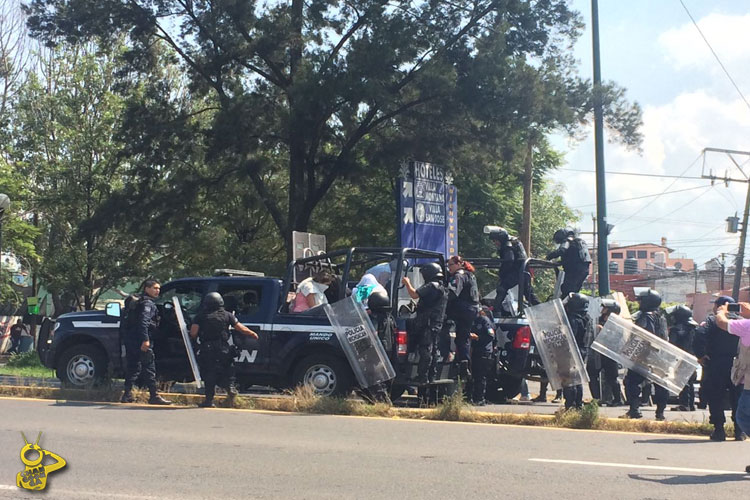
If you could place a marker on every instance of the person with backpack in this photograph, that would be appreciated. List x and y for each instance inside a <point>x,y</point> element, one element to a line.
<point>141,322</point>
<point>513,256</point>
<point>216,356</point>
<point>574,256</point>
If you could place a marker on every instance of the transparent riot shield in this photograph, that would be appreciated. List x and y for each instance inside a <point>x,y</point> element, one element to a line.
<point>557,293</point>
<point>556,345</point>
<point>646,354</point>
<point>186,339</point>
<point>359,341</point>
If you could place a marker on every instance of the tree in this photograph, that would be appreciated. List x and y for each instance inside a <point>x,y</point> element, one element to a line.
<point>305,90</point>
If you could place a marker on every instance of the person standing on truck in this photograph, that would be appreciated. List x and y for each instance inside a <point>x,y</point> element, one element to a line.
<point>576,308</point>
<point>512,256</point>
<point>311,292</point>
<point>483,335</point>
<point>575,258</point>
<point>432,299</point>
<point>682,334</point>
<point>463,307</point>
<point>216,356</point>
<point>143,322</point>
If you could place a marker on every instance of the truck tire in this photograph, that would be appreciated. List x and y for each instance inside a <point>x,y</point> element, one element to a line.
<point>503,388</point>
<point>327,375</point>
<point>82,365</point>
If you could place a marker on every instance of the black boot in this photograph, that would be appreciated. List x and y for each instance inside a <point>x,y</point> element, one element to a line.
<point>158,400</point>
<point>207,403</point>
<point>127,397</point>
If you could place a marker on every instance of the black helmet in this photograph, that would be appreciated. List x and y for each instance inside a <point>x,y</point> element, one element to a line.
<point>611,305</point>
<point>378,302</point>
<point>578,302</point>
<point>212,301</point>
<point>431,271</point>
<point>650,300</point>
<point>560,235</point>
<point>499,234</point>
<point>682,314</point>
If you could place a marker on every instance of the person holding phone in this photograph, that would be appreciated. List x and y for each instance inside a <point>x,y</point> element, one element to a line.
<point>715,349</point>
<point>741,366</point>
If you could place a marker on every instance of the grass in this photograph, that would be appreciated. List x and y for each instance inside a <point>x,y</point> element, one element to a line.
<point>26,364</point>
<point>452,408</point>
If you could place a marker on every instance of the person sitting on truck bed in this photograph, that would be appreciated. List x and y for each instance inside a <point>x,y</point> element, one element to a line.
<point>311,292</point>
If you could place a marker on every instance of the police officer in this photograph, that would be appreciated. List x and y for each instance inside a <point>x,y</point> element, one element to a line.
<point>576,260</point>
<point>682,334</point>
<point>512,256</point>
<point>609,367</point>
<point>715,350</point>
<point>576,308</point>
<point>648,318</point>
<point>432,298</point>
<point>463,307</point>
<point>379,309</point>
<point>483,335</point>
<point>216,357</point>
<point>138,340</point>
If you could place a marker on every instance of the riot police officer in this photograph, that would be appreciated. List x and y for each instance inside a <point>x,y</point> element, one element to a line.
<point>715,350</point>
<point>216,357</point>
<point>649,318</point>
<point>682,334</point>
<point>576,308</point>
<point>432,299</point>
<point>576,260</point>
<point>143,322</point>
<point>379,309</point>
<point>483,335</point>
<point>609,367</point>
<point>512,256</point>
<point>463,307</point>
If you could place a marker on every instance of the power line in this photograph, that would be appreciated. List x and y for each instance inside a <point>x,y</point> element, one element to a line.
<point>644,196</point>
<point>708,188</point>
<point>634,174</point>
<point>715,54</point>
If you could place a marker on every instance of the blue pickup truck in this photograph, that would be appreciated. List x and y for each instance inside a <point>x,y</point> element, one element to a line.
<point>292,348</point>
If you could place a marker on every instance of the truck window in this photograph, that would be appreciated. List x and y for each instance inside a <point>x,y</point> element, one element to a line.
<point>242,300</point>
<point>189,297</point>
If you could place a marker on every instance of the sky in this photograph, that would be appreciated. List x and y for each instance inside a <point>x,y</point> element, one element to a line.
<point>653,49</point>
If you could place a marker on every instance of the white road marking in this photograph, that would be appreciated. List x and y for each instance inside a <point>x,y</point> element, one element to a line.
<point>635,466</point>
<point>80,494</point>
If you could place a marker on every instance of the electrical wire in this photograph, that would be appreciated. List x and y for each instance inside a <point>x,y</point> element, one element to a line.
<point>634,174</point>
<point>642,197</point>
<point>708,189</point>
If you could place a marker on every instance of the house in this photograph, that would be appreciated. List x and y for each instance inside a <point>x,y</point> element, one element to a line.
<point>644,257</point>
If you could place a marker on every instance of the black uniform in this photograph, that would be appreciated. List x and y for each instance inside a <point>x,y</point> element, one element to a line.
<point>141,365</point>
<point>513,257</point>
<point>682,335</point>
<point>576,260</point>
<point>430,316</point>
<point>609,370</point>
<point>463,307</point>
<point>216,356</point>
<point>720,347</point>
<point>653,322</point>
<point>580,323</point>
<point>481,356</point>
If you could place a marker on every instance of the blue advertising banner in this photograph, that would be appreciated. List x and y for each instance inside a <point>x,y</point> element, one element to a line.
<point>427,209</point>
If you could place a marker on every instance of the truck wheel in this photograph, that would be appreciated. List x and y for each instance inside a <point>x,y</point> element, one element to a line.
<point>325,374</point>
<point>82,365</point>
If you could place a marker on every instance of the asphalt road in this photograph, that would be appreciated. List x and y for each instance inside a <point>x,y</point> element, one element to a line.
<point>131,452</point>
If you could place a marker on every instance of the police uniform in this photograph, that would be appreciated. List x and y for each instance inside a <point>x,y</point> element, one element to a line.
<point>462,308</point>
<point>481,356</point>
<point>682,335</point>
<point>582,330</point>
<point>576,260</point>
<point>651,321</point>
<point>720,347</point>
<point>141,365</point>
<point>216,356</point>
<point>512,256</point>
<point>429,321</point>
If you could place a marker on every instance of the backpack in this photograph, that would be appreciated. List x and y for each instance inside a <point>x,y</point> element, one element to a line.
<point>128,313</point>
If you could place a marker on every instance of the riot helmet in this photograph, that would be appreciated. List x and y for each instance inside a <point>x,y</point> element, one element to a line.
<point>560,236</point>
<point>212,301</point>
<point>577,302</point>
<point>497,233</point>
<point>682,314</point>
<point>611,305</point>
<point>431,272</point>
<point>378,302</point>
<point>650,300</point>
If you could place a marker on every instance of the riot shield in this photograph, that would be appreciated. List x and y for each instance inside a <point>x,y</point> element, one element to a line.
<point>359,341</point>
<point>556,345</point>
<point>556,294</point>
<point>186,339</point>
<point>646,354</point>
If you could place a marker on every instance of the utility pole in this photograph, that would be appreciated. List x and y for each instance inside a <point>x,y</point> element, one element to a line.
<point>721,279</point>
<point>601,190</point>
<point>528,179</point>
<point>743,232</point>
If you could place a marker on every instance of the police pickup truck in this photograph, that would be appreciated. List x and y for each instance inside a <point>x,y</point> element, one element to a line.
<point>292,348</point>
<point>515,357</point>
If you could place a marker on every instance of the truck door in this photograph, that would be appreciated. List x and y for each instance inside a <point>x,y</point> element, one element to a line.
<point>250,305</point>
<point>169,347</point>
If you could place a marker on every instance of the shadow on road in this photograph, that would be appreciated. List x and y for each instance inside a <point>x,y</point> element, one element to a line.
<point>684,479</point>
<point>671,441</point>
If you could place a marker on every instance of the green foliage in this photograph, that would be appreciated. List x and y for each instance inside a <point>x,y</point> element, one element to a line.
<point>28,359</point>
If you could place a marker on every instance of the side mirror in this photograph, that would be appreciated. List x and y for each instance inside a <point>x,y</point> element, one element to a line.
<point>113,309</point>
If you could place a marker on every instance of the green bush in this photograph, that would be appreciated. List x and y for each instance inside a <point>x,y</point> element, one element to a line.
<point>25,360</point>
